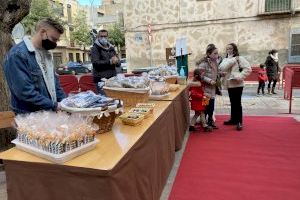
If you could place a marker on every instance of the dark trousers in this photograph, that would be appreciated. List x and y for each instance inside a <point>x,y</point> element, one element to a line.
<point>102,74</point>
<point>261,86</point>
<point>270,82</point>
<point>98,82</point>
<point>209,111</point>
<point>235,96</point>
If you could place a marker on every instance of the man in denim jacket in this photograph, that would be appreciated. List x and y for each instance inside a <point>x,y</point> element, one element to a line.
<point>29,70</point>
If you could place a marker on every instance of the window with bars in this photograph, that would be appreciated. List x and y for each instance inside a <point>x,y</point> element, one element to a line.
<point>294,46</point>
<point>277,5</point>
<point>71,57</point>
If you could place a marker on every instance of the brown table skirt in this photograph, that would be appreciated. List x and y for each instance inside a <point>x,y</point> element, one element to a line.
<point>141,174</point>
<point>181,111</point>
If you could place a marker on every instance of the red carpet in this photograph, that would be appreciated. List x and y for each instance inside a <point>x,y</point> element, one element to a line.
<point>262,162</point>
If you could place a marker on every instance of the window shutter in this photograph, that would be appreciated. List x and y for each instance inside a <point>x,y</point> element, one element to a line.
<point>277,5</point>
<point>294,46</point>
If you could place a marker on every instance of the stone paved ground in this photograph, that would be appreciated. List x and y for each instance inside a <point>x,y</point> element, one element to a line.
<point>252,105</point>
<point>261,105</point>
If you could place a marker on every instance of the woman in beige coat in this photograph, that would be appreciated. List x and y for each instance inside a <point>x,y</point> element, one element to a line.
<point>209,68</point>
<point>236,68</point>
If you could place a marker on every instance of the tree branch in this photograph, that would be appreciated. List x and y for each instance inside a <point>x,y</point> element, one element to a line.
<point>12,12</point>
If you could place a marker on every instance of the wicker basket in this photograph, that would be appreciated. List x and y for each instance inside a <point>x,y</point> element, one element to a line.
<point>143,111</point>
<point>105,122</point>
<point>171,79</point>
<point>146,105</point>
<point>129,98</point>
<point>105,119</point>
<point>173,87</point>
<point>132,122</point>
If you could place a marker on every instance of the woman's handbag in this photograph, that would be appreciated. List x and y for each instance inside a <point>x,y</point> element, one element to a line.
<point>277,77</point>
<point>218,86</point>
<point>238,62</point>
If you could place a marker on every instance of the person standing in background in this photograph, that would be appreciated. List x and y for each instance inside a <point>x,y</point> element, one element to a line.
<point>236,68</point>
<point>104,59</point>
<point>262,78</point>
<point>273,70</point>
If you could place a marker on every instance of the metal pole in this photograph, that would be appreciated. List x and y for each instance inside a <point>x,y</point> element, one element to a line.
<point>151,59</point>
<point>291,98</point>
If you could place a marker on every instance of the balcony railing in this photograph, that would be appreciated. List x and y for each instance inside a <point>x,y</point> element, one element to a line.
<point>278,6</point>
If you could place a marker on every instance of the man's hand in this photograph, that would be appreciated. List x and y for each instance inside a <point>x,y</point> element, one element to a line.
<point>114,60</point>
<point>58,106</point>
<point>212,82</point>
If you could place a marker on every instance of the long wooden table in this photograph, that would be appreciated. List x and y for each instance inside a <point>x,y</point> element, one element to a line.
<point>128,163</point>
<point>180,104</point>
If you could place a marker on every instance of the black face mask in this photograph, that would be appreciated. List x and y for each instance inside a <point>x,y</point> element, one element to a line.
<point>48,44</point>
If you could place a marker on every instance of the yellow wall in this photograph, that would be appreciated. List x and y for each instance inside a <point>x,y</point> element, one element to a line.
<point>64,45</point>
<point>64,52</point>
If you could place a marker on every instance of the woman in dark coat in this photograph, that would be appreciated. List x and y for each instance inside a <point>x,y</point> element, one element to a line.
<point>273,70</point>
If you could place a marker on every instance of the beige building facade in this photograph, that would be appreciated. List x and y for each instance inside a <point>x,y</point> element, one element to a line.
<point>112,13</point>
<point>66,50</point>
<point>256,26</point>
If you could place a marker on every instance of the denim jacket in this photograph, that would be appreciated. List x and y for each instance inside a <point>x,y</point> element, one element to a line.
<point>25,80</point>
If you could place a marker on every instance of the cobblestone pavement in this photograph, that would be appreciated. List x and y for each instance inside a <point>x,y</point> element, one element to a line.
<point>252,105</point>
<point>261,105</point>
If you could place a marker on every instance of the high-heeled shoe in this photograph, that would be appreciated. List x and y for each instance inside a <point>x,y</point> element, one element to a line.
<point>214,126</point>
<point>207,129</point>
<point>239,126</point>
<point>230,122</point>
<point>192,128</point>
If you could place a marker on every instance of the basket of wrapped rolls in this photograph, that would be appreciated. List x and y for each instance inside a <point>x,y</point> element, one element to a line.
<point>169,73</point>
<point>99,109</point>
<point>146,105</point>
<point>132,119</point>
<point>159,90</point>
<point>131,90</point>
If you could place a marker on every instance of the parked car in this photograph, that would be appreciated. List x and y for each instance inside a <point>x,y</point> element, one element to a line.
<point>72,68</point>
<point>124,65</point>
<point>88,65</point>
